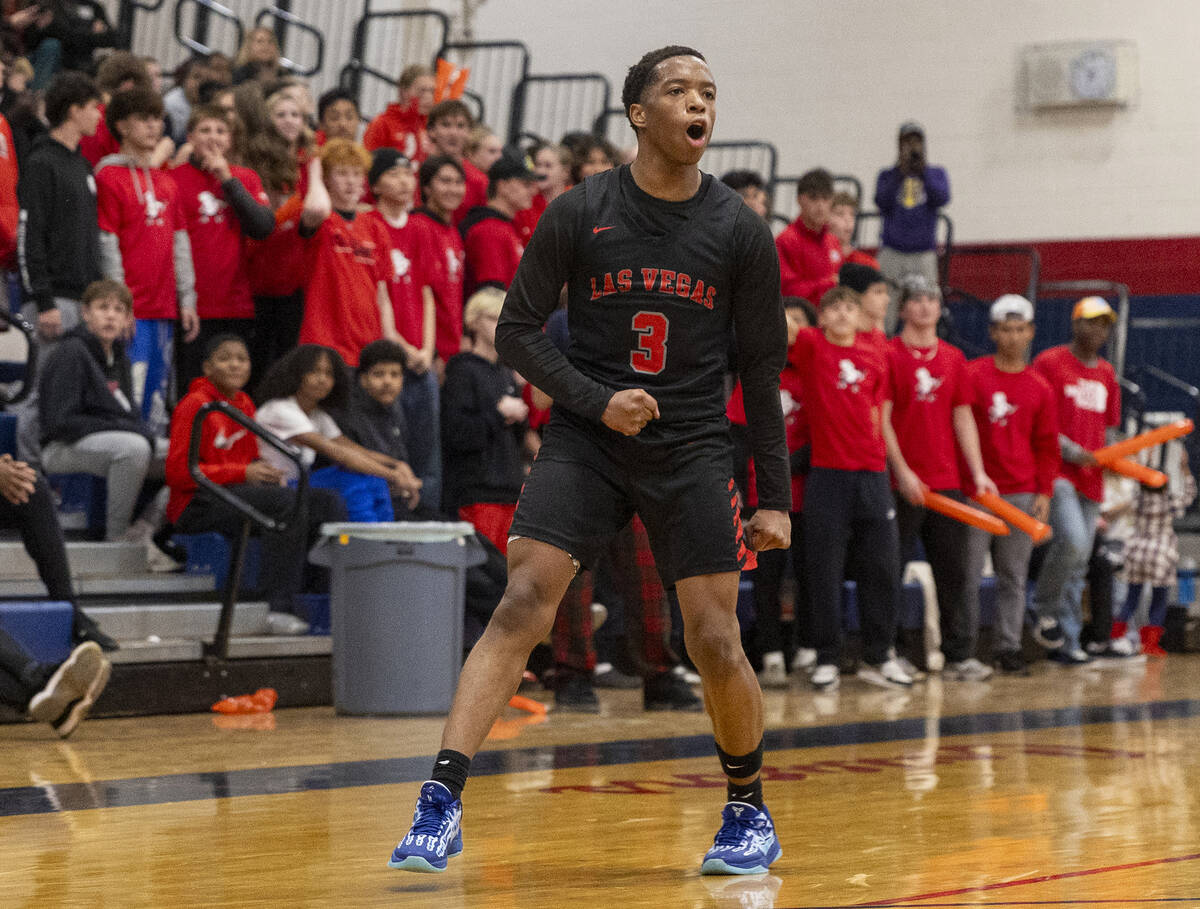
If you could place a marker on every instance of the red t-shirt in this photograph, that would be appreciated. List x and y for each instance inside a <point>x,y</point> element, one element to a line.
<point>927,384</point>
<point>858,257</point>
<point>527,218</point>
<point>276,264</point>
<point>402,128</point>
<point>843,389</point>
<point>493,251</point>
<point>405,279</point>
<point>808,261</point>
<point>476,194</point>
<point>441,256</point>
<point>100,143</point>
<point>10,210</point>
<point>346,262</point>
<point>141,207</point>
<point>1088,400</point>
<point>795,420</point>
<point>1018,427</point>
<point>218,244</point>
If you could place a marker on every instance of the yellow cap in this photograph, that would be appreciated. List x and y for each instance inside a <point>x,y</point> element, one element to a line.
<point>1093,308</point>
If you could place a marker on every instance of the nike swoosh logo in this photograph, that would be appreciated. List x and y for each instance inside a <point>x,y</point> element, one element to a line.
<point>440,763</point>
<point>596,230</point>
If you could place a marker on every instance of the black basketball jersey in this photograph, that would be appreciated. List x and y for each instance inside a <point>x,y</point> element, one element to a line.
<point>655,290</point>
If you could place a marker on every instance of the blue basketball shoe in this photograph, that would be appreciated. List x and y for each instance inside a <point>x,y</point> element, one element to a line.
<point>436,832</point>
<point>745,844</point>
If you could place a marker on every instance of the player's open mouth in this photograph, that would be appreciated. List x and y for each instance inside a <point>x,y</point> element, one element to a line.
<point>696,133</point>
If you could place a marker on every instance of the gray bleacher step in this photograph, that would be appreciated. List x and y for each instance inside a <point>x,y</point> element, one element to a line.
<point>139,584</point>
<point>171,621</point>
<point>169,650</point>
<point>241,648</point>
<point>86,559</point>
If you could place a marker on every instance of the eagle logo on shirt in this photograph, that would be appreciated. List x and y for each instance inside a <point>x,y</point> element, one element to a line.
<point>1000,410</point>
<point>453,263</point>
<point>400,264</point>
<point>927,385</point>
<point>210,206</point>
<point>849,376</point>
<point>154,209</point>
<point>1088,395</point>
<point>224,442</point>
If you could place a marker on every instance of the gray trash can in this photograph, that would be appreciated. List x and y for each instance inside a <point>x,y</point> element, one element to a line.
<point>396,609</point>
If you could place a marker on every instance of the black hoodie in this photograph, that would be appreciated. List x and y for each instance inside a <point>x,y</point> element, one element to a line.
<point>80,391</point>
<point>58,238</point>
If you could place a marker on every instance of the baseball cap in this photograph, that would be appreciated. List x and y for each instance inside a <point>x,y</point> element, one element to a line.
<point>1011,306</point>
<point>909,127</point>
<point>913,285</point>
<point>383,160</point>
<point>1093,308</point>
<point>510,164</point>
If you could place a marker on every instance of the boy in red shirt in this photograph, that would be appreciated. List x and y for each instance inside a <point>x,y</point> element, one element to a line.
<point>144,245</point>
<point>930,411</point>
<point>847,500</point>
<point>392,180</point>
<point>441,249</point>
<point>1018,437</point>
<point>346,299</point>
<point>1088,400</point>
<point>872,290</point>
<point>490,238</point>
<point>337,116</point>
<point>449,127</point>
<point>229,456</point>
<point>223,204</point>
<point>843,213</point>
<point>809,253</point>
<point>402,125</point>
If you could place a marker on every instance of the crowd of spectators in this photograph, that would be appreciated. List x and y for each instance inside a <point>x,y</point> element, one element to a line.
<point>232,238</point>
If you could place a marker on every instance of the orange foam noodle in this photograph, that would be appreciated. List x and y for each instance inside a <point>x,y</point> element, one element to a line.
<point>529,705</point>
<point>1028,524</point>
<point>450,81</point>
<point>1146,439</point>
<point>935,501</point>
<point>1147,476</point>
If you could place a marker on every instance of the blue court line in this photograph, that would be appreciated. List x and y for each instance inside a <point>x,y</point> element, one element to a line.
<point>190,787</point>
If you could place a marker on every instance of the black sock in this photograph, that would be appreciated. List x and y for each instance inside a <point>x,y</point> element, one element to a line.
<point>750,793</point>
<point>450,768</point>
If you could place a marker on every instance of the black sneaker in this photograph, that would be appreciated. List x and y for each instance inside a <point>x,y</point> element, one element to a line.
<point>1049,633</point>
<point>608,676</point>
<point>576,693</point>
<point>1070,657</point>
<point>1012,662</point>
<point>162,539</point>
<point>86,629</point>
<point>669,692</point>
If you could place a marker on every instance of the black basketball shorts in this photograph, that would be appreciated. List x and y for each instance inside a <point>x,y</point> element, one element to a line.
<point>582,490</point>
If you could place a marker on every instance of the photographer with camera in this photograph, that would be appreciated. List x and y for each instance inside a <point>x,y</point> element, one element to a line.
<point>908,196</point>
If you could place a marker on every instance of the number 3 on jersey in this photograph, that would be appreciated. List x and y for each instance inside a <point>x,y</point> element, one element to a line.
<point>650,354</point>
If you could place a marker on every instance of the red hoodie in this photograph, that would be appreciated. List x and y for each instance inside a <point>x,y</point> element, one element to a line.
<point>402,128</point>
<point>225,446</point>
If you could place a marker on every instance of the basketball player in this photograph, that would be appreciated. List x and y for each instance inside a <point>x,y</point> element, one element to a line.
<point>661,264</point>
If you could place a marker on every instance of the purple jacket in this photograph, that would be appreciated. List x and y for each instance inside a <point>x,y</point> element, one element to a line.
<point>909,206</point>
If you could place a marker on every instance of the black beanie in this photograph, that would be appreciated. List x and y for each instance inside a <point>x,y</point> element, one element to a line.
<point>858,277</point>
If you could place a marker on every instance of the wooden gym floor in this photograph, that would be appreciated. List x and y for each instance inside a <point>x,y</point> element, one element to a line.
<point>1075,787</point>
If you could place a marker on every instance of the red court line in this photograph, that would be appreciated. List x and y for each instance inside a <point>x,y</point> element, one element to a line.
<point>1036,880</point>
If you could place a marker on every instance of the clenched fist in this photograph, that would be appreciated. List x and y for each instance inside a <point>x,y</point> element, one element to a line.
<point>629,411</point>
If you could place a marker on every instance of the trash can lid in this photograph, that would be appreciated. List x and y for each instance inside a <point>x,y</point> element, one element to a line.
<point>401,531</point>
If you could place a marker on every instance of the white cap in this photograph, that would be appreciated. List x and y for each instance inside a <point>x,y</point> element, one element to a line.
<point>1011,306</point>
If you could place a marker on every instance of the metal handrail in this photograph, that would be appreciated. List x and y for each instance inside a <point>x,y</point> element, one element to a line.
<point>219,649</point>
<point>350,75</point>
<point>18,321</point>
<point>517,110</point>
<point>291,19</point>
<point>1111,288</point>
<point>209,6</point>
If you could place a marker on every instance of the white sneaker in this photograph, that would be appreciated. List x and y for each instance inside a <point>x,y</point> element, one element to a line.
<point>970,670</point>
<point>910,670</point>
<point>159,562</point>
<point>825,677</point>
<point>1122,647</point>
<point>804,660</point>
<point>888,674</point>
<point>692,678</point>
<point>774,673</point>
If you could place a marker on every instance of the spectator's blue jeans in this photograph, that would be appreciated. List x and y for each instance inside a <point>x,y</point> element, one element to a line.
<point>1060,583</point>
<point>423,419</point>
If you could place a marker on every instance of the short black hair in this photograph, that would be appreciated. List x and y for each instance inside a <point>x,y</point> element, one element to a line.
<point>816,182</point>
<point>284,377</point>
<point>332,97</point>
<point>810,311</point>
<point>381,351</point>
<point>210,88</point>
<point>225,337</point>
<point>641,74</point>
<point>66,90</point>
<point>444,110</point>
<point>430,167</point>
<point>134,102</point>
<point>744,179</point>
<point>584,147</point>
